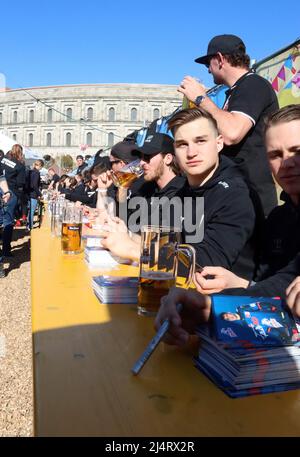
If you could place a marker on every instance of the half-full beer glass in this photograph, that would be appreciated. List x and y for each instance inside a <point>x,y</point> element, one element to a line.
<point>160,252</point>
<point>127,175</point>
<point>71,230</point>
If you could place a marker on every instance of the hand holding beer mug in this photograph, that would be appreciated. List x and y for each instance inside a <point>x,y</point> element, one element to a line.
<point>160,252</point>
<point>127,175</point>
<point>71,230</point>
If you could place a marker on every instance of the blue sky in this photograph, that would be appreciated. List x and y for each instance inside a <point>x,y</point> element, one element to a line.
<point>71,42</point>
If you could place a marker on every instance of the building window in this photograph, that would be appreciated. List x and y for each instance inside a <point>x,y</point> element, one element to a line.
<point>49,116</point>
<point>49,139</point>
<point>133,116</point>
<point>111,114</point>
<point>31,116</point>
<point>1,118</point>
<point>110,139</point>
<point>155,113</point>
<point>68,139</point>
<point>15,117</point>
<point>30,139</point>
<point>89,138</point>
<point>90,114</point>
<point>69,114</point>
<point>14,137</point>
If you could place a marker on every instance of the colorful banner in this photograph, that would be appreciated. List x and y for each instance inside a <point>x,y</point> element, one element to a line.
<point>282,69</point>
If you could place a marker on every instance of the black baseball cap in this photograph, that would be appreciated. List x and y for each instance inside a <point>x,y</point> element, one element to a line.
<point>126,151</point>
<point>157,142</point>
<point>225,44</point>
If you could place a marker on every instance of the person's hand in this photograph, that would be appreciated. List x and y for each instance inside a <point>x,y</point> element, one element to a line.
<point>220,279</point>
<point>104,180</point>
<point>191,88</point>
<point>293,296</point>
<point>115,224</point>
<point>195,310</point>
<point>6,197</point>
<point>120,244</point>
<point>78,204</point>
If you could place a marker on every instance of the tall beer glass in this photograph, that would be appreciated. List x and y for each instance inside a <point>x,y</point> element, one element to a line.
<point>160,252</point>
<point>71,230</point>
<point>127,175</point>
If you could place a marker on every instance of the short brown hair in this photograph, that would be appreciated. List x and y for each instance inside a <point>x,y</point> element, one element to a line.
<point>189,115</point>
<point>238,59</point>
<point>173,165</point>
<point>288,113</point>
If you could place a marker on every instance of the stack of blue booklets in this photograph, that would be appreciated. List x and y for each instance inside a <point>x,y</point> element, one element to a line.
<point>251,346</point>
<point>116,289</point>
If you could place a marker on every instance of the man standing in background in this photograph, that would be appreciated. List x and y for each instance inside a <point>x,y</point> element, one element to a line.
<point>248,100</point>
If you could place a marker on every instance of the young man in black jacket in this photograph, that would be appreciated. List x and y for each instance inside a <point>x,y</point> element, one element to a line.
<point>223,232</point>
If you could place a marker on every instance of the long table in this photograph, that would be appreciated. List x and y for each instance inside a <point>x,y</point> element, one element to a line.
<point>83,353</point>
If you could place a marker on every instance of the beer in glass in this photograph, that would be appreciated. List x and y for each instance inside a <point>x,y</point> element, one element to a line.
<point>71,230</point>
<point>127,175</point>
<point>160,250</point>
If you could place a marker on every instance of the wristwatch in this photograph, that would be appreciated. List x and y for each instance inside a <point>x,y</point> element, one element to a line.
<point>199,99</point>
<point>7,192</point>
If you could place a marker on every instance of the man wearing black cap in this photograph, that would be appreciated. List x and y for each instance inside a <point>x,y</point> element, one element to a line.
<point>160,167</point>
<point>248,100</point>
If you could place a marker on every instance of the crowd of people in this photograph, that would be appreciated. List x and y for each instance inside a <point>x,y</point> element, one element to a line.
<point>221,161</point>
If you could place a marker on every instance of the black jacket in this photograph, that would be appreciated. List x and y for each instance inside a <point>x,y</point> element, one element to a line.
<point>155,210</point>
<point>15,174</point>
<point>281,238</point>
<point>274,285</point>
<point>34,184</point>
<point>82,194</point>
<point>227,223</point>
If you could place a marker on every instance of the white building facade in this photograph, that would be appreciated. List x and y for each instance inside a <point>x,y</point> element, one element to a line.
<point>61,120</point>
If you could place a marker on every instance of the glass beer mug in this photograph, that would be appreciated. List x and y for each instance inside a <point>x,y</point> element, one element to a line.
<point>160,252</point>
<point>127,175</point>
<point>71,230</point>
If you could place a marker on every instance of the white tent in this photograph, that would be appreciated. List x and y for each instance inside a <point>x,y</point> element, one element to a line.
<point>6,144</point>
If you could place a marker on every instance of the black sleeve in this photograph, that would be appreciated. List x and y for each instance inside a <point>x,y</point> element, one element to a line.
<point>251,97</point>
<point>1,173</point>
<point>21,177</point>
<point>226,229</point>
<point>276,285</point>
<point>35,182</point>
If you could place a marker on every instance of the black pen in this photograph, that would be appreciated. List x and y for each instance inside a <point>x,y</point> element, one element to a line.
<point>153,344</point>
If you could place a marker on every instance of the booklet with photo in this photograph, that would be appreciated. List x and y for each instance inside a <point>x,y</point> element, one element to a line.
<point>253,322</point>
<point>250,346</point>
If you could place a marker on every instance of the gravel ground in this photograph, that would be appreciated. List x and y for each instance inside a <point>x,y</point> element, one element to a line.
<point>16,388</point>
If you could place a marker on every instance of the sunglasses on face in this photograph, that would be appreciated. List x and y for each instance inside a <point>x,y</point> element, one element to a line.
<point>115,161</point>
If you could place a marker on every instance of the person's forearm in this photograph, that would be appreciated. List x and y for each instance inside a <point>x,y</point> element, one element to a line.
<point>225,120</point>
<point>3,185</point>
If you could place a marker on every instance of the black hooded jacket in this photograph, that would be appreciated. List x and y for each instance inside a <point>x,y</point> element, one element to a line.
<point>15,174</point>
<point>281,238</point>
<point>228,222</point>
<point>275,285</point>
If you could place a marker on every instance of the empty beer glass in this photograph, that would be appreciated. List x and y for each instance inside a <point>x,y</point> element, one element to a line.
<point>71,230</point>
<point>127,175</point>
<point>160,252</point>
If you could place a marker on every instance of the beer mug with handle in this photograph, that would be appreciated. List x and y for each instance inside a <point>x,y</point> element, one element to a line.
<point>71,229</point>
<point>127,175</point>
<point>160,252</point>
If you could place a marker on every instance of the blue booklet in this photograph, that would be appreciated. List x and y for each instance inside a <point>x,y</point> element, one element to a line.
<point>116,289</point>
<point>253,322</point>
<point>251,346</point>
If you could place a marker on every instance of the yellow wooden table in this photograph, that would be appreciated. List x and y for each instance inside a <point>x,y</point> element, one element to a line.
<point>83,353</point>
